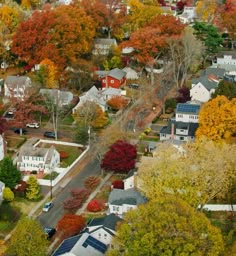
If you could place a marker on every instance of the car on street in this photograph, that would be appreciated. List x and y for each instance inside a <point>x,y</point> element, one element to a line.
<point>17,130</point>
<point>32,125</point>
<point>11,111</point>
<point>50,232</point>
<point>133,86</point>
<point>49,135</point>
<point>47,207</point>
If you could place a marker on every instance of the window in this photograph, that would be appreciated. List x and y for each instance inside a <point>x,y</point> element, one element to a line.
<point>112,81</point>
<point>181,138</point>
<point>115,208</point>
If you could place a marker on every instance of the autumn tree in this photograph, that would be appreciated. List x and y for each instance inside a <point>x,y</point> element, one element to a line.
<point>33,188</point>
<point>183,95</point>
<point>8,195</point>
<point>217,119</point>
<point>206,10</point>
<point>50,73</point>
<point>120,157</point>
<point>9,174</point>
<point>70,225</point>
<point>228,18</point>
<point>117,102</point>
<point>166,227</point>
<point>197,173</point>
<point>3,125</point>
<point>90,114</point>
<point>28,239</point>
<point>226,88</point>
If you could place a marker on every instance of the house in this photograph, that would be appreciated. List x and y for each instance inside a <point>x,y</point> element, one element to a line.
<point>188,15</point>
<point>100,97</point>
<point>64,98</point>
<point>114,78</point>
<point>93,240</point>
<point>43,160</point>
<point>230,76</point>
<point>120,201</point>
<point>2,147</point>
<point>16,86</point>
<point>103,46</point>
<point>226,60</point>
<point>130,73</point>
<point>2,186</point>
<point>183,127</point>
<point>130,181</point>
<point>81,245</point>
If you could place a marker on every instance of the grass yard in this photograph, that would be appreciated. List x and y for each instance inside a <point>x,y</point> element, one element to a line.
<point>14,142</point>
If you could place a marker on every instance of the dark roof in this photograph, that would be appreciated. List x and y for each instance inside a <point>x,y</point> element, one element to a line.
<point>227,53</point>
<point>130,173</point>
<point>108,221</point>
<point>219,72</point>
<point>96,244</point>
<point>187,108</point>
<point>209,84</point>
<point>66,245</point>
<point>129,196</point>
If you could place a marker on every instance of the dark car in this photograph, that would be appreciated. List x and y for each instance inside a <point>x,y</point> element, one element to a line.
<point>50,232</point>
<point>133,86</point>
<point>50,135</point>
<point>17,130</point>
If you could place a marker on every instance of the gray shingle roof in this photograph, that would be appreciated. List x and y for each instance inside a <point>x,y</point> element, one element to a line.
<point>209,84</point>
<point>129,196</point>
<point>219,72</point>
<point>16,80</point>
<point>105,41</point>
<point>117,73</point>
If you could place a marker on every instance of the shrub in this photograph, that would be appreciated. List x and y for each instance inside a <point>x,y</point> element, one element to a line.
<point>8,195</point>
<point>119,184</point>
<point>63,154</point>
<point>81,194</point>
<point>91,182</point>
<point>147,130</point>
<point>94,206</point>
<point>34,172</point>
<point>72,204</point>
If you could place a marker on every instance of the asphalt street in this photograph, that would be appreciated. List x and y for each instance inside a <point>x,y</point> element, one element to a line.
<point>62,193</point>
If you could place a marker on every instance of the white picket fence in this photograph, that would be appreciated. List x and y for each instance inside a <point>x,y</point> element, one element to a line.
<point>220,207</point>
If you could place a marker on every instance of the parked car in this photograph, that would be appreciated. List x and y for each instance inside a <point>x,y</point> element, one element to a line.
<point>17,130</point>
<point>133,86</point>
<point>32,125</point>
<point>11,111</point>
<point>47,207</point>
<point>50,135</point>
<point>50,232</point>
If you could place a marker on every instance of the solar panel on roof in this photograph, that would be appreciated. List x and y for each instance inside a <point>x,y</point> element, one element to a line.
<point>66,245</point>
<point>188,108</point>
<point>96,244</point>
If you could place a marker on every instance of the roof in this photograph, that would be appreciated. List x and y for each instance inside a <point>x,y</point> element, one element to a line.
<point>129,196</point>
<point>207,83</point>
<point>187,108</point>
<point>105,41</point>
<point>117,73</point>
<point>16,80</point>
<point>226,53</point>
<point>2,184</point>
<point>131,173</point>
<point>130,73</point>
<point>64,96</point>
<point>108,221</point>
<point>219,72</point>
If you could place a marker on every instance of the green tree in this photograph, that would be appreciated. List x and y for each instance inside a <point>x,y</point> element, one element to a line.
<point>167,227</point>
<point>32,189</point>
<point>9,173</point>
<point>28,239</point>
<point>8,195</point>
<point>225,88</point>
<point>82,134</point>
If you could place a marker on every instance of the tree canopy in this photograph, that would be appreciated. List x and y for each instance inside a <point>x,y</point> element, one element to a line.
<point>220,123</point>
<point>226,88</point>
<point>166,227</point>
<point>28,239</point>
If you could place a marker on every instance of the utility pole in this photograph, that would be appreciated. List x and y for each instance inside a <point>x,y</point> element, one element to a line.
<point>89,131</point>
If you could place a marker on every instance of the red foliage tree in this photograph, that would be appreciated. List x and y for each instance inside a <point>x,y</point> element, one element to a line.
<point>119,184</point>
<point>184,95</point>
<point>3,125</point>
<point>120,158</point>
<point>94,206</point>
<point>91,182</point>
<point>63,154</point>
<point>70,225</point>
<point>117,102</point>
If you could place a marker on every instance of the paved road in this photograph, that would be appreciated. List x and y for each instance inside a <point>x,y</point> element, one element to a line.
<point>51,218</point>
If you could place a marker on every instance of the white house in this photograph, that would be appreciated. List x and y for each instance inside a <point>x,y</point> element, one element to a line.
<point>130,181</point>
<point>103,46</point>
<point>187,112</point>
<point>226,60</point>
<point>2,147</point>
<point>16,86</point>
<point>2,186</point>
<point>120,201</point>
<point>37,159</point>
<point>188,15</point>
<point>130,73</point>
<point>63,98</point>
<point>100,97</point>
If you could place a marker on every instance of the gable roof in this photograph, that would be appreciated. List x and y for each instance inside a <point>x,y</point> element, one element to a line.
<point>16,80</point>
<point>226,53</point>
<point>187,108</point>
<point>105,41</point>
<point>218,72</point>
<point>128,196</point>
<point>117,73</point>
<point>130,73</point>
<point>64,96</point>
<point>207,83</point>
<point>108,221</point>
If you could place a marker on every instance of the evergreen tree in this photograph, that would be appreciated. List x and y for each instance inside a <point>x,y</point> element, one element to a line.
<point>32,189</point>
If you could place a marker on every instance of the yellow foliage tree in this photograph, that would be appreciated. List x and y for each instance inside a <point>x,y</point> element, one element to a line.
<point>206,10</point>
<point>51,73</point>
<point>217,119</point>
<point>3,247</point>
<point>26,4</point>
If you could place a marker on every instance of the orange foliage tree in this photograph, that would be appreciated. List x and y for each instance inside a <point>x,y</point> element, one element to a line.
<point>51,73</point>
<point>117,102</point>
<point>71,224</point>
<point>217,119</point>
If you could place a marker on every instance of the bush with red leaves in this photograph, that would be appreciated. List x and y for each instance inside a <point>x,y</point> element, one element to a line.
<point>70,225</point>
<point>120,158</point>
<point>63,154</point>
<point>81,193</point>
<point>91,182</point>
<point>20,189</point>
<point>94,206</point>
<point>119,184</point>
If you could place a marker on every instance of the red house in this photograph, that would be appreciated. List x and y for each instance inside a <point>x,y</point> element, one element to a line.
<point>114,78</point>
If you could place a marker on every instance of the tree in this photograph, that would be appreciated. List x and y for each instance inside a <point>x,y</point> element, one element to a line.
<point>183,95</point>
<point>50,72</point>
<point>9,173</point>
<point>120,157</point>
<point>197,173</point>
<point>3,125</point>
<point>166,227</point>
<point>117,102</point>
<point>33,188</point>
<point>92,182</point>
<point>82,134</point>
<point>8,195</point>
<point>90,114</point>
<point>226,88</point>
<point>228,18</point>
<point>70,225</point>
<point>206,11</point>
<point>94,206</point>
<point>28,239</point>
<point>217,119</point>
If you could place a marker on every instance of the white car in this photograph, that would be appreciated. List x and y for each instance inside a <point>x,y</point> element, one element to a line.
<point>33,125</point>
<point>47,206</point>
